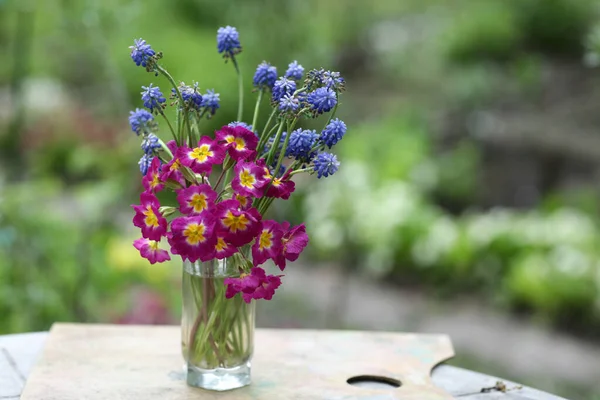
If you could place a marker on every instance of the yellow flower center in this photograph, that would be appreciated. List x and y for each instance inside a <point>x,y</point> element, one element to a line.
<point>265,241</point>
<point>175,166</point>
<point>155,181</point>
<point>201,153</point>
<point>240,144</point>
<point>151,218</point>
<point>153,244</point>
<point>243,200</point>
<point>198,202</point>
<point>235,223</point>
<point>221,245</point>
<point>194,233</point>
<point>247,179</point>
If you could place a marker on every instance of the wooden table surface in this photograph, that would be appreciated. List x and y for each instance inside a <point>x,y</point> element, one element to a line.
<point>18,354</point>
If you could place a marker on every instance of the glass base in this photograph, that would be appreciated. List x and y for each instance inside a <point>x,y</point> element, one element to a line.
<point>219,379</point>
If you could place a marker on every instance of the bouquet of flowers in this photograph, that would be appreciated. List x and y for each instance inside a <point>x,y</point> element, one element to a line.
<point>224,184</point>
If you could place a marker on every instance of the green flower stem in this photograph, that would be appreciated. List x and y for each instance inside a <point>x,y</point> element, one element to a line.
<point>299,171</point>
<point>165,148</point>
<point>262,134</point>
<point>276,143</point>
<point>221,328</point>
<point>337,98</point>
<point>256,108</point>
<point>264,139</point>
<point>285,145</point>
<point>240,89</point>
<point>169,124</point>
<point>181,103</point>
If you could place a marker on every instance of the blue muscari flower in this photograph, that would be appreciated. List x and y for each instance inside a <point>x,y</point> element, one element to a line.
<point>333,80</point>
<point>141,52</point>
<point>210,101</point>
<point>314,78</point>
<point>283,86</point>
<point>144,163</point>
<point>150,143</point>
<point>294,71</point>
<point>239,123</point>
<point>152,97</point>
<point>189,94</point>
<point>265,75</point>
<point>325,164</point>
<point>301,143</point>
<point>322,100</point>
<point>141,121</point>
<point>333,132</point>
<point>289,103</point>
<point>228,41</point>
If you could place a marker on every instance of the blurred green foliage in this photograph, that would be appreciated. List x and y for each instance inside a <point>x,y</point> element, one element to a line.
<point>544,262</point>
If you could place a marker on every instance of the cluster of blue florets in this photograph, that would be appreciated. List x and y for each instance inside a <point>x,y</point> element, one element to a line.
<point>293,94</point>
<point>265,76</point>
<point>228,41</point>
<point>142,123</point>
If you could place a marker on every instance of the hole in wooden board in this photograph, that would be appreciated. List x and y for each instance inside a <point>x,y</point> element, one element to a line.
<point>374,382</point>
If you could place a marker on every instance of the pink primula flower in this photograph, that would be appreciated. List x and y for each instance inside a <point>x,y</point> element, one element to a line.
<point>239,141</point>
<point>238,227</point>
<point>222,248</point>
<point>281,189</point>
<point>245,201</point>
<point>196,199</point>
<point>256,285</point>
<point>151,181</point>
<point>268,243</point>
<point>249,179</point>
<point>192,237</point>
<point>150,251</point>
<point>201,159</point>
<point>148,218</point>
<point>172,170</point>
<point>293,242</point>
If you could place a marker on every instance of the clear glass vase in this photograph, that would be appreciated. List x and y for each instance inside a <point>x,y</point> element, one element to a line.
<point>217,334</point>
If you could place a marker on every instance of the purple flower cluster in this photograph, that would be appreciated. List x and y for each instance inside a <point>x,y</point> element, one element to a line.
<point>333,132</point>
<point>282,87</point>
<point>265,75</point>
<point>141,121</point>
<point>141,52</point>
<point>322,100</point>
<point>228,41</point>
<point>294,71</point>
<point>301,143</point>
<point>325,164</point>
<point>152,98</point>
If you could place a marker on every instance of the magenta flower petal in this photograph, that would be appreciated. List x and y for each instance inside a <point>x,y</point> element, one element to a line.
<point>196,199</point>
<point>293,242</point>
<point>245,201</point>
<point>148,218</point>
<point>150,251</point>
<point>281,189</point>
<point>268,243</point>
<point>249,179</point>
<point>238,227</point>
<point>192,237</point>
<point>151,181</point>
<point>240,142</point>
<point>200,159</point>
